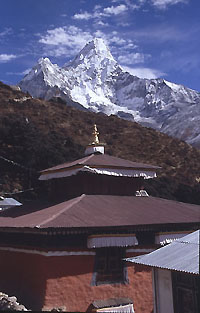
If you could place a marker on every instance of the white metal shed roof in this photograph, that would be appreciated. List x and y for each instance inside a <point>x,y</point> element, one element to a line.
<point>182,255</point>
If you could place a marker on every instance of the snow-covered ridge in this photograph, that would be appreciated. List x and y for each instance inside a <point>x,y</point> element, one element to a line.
<point>99,83</point>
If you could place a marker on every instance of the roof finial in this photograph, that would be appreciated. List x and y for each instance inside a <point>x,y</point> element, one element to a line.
<point>95,146</point>
<point>95,133</point>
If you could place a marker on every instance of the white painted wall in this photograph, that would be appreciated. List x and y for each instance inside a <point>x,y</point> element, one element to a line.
<point>163,294</point>
<point>93,149</point>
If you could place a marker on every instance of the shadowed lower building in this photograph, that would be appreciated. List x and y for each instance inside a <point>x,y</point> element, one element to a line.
<point>176,273</point>
<point>68,251</point>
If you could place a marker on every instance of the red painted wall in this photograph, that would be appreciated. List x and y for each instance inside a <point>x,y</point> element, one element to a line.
<point>69,285</point>
<point>47,282</point>
<point>92,184</point>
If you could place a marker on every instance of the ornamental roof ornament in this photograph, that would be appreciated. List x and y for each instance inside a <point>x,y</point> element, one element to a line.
<point>95,134</point>
<point>95,146</point>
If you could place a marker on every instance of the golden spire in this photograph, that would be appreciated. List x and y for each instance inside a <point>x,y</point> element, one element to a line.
<point>95,146</point>
<point>95,133</point>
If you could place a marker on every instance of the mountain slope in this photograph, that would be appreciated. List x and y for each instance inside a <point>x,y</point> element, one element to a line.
<point>38,134</point>
<point>96,81</point>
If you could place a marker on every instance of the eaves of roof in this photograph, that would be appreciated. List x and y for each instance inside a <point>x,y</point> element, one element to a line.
<point>101,160</point>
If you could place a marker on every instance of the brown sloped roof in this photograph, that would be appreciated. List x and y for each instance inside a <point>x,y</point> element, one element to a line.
<point>102,160</point>
<point>102,211</point>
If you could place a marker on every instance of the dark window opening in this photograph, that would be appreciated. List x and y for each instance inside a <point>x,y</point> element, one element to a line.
<point>145,238</point>
<point>186,292</point>
<point>109,266</point>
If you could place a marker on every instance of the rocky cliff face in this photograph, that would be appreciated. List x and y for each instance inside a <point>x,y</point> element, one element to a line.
<point>96,81</point>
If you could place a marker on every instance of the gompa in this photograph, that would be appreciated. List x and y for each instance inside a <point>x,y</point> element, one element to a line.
<point>69,250</point>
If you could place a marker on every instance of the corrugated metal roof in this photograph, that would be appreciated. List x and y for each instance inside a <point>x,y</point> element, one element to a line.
<point>8,202</point>
<point>101,211</point>
<point>181,255</point>
<point>101,160</point>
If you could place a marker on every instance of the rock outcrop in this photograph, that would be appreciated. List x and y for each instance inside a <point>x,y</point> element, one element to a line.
<point>10,303</point>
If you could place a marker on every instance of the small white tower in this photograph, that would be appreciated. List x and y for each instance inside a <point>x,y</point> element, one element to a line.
<point>95,145</point>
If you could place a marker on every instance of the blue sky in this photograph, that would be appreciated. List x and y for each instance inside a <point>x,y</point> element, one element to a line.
<point>151,38</point>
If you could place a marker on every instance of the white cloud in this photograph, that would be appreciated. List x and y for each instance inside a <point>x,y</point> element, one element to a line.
<point>65,40</point>
<point>144,72</point>
<point>83,16</point>
<point>123,24</point>
<point>99,12</point>
<point>75,38</point>
<point>101,23</point>
<point>162,4</point>
<point>97,7</point>
<point>130,3</point>
<point>117,40</point>
<point>132,58</point>
<point>7,57</point>
<point>159,4</point>
<point>7,31</point>
<point>115,10</point>
<point>114,39</point>
<point>68,41</point>
<point>98,33</point>
<point>87,16</point>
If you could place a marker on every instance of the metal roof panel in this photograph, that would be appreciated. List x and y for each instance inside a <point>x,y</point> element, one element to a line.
<point>181,255</point>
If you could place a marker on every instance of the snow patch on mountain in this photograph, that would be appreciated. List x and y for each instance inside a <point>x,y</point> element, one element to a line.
<point>100,84</point>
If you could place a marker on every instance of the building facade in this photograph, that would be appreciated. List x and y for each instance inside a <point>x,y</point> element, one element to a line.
<point>68,250</point>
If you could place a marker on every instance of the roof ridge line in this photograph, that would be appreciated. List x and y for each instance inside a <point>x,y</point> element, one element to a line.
<point>78,199</point>
<point>88,158</point>
<point>53,167</point>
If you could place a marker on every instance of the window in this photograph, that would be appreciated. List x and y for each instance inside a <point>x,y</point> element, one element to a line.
<point>109,266</point>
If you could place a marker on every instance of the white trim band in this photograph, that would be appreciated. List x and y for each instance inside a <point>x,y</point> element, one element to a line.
<point>111,241</point>
<point>104,171</point>
<point>128,308</point>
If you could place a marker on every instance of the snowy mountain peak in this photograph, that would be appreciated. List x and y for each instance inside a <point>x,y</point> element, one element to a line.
<point>94,52</point>
<point>98,45</point>
<point>96,81</point>
<point>43,65</point>
<point>44,61</point>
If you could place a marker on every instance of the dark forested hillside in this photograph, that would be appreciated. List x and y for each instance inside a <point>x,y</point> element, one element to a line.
<point>38,134</point>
